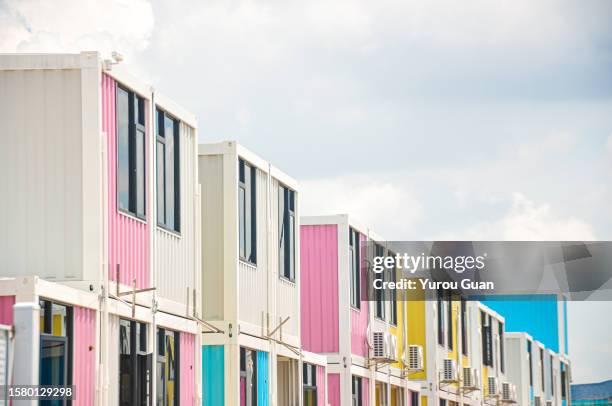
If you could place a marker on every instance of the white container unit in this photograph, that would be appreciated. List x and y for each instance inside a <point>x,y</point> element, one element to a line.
<point>250,268</point>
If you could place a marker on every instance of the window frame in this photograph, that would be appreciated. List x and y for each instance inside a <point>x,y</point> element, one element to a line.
<point>393,294</point>
<point>162,138</point>
<point>250,212</point>
<point>357,390</point>
<point>46,335</point>
<point>137,337</point>
<point>163,358</point>
<point>286,238</point>
<point>355,268</point>
<point>464,327</point>
<point>309,371</point>
<point>243,373</point>
<point>136,126</point>
<point>379,294</point>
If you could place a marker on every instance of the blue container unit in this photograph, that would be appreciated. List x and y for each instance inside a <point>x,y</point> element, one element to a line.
<point>213,376</point>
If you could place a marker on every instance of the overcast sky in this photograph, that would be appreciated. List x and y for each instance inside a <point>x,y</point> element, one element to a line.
<point>426,120</point>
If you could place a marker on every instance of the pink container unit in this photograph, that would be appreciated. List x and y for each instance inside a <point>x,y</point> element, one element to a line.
<point>6,310</point>
<point>84,340</point>
<point>187,365</point>
<point>334,318</point>
<point>128,237</point>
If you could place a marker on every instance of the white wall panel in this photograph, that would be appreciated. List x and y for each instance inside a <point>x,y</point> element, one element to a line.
<point>210,170</point>
<point>176,252</point>
<point>41,222</point>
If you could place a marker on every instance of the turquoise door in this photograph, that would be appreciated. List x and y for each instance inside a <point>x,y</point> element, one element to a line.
<point>262,379</point>
<point>213,373</point>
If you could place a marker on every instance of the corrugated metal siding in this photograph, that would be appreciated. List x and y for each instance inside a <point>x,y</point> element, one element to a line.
<point>128,238</point>
<point>210,169</point>
<point>365,390</point>
<point>187,365</point>
<point>333,389</point>
<point>321,385</point>
<point>263,398</point>
<point>252,280</point>
<point>319,286</point>
<point>6,310</point>
<point>359,318</point>
<point>84,336</point>
<point>287,295</point>
<point>213,375</point>
<point>176,255</point>
<point>41,224</point>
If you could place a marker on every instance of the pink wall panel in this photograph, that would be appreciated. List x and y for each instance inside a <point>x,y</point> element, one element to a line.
<point>84,336</point>
<point>187,365</point>
<point>333,389</point>
<point>320,385</point>
<point>359,318</point>
<point>365,390</point>
<point>6,310</point>
<point>319,287</point>
<point>128,243</point>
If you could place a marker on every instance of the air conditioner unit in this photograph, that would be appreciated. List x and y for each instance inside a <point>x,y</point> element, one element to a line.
<point>549,403</point>
<point>470,378</point>
<point>378,345</point>
<point>492,387</point>
<point>415,358</point>
<point>384,346</point>
<point>508,392</point>
<point>537,401</point>
<point>449,370</point>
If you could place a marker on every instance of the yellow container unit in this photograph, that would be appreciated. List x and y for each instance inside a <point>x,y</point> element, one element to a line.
<point>416,328</point>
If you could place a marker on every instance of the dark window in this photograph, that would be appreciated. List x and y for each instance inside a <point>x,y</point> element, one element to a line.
<point>134,364</point>
<point>167,373</point>
<point>248,377</point>
<point>247,231</point>
<point>379,293</point>
<point>552,378</point>
<point>393,294</point>
<point>502,363</point>
<point>55,347</point>
<point>131,153</point>
<point>286,233</point>
<point>449,321</point>
<point>487,339</point>
<point>355,268</point>
<point>168,172</point>
<point>356,392</point>
<point>530,360</point>
<point>309,384</point>
<point>442,402</point>
<point>563,381</point>
<point>542,369</point>
<point>464,343</point>
<point>440,312</point>
<point>414,398</point>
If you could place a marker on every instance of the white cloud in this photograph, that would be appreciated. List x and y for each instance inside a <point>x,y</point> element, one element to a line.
<point>609,148</point>
<point>72,26</point>
<point>529,221</point>
<point>391,210</point>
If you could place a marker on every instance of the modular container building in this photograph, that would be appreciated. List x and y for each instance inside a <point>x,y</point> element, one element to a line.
<point>100,174</point>
<point>541,376</point>
<point>486,330</point>
<point>251,279</point>
<point>338,321</point>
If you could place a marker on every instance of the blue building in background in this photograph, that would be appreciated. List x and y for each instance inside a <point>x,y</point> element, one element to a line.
<point>544,317</point>
<point>592,394</point>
